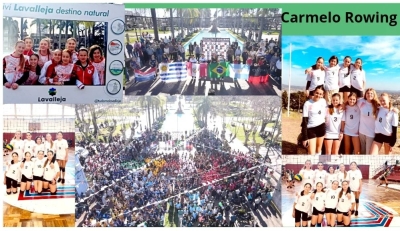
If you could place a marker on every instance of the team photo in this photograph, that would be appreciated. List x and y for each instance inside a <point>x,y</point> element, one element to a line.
<point>63,55</point>
<point>340,191</point>
<point>38,165</point>
<point>337,108</point>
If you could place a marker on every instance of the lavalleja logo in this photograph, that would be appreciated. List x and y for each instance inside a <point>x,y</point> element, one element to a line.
<point>52,91</point>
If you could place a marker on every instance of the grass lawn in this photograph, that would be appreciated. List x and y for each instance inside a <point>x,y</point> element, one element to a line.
<point>237,36</point>
<point>171,219</point>
<point>241,137</point>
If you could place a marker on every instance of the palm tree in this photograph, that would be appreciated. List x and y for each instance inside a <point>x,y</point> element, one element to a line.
<point>154,19</point>
<point>191,14</point>
<point>171,18</point>
<point>205,108</point>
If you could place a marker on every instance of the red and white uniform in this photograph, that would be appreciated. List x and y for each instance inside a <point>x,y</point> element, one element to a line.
<point>100,67</point>
<point>86,75</point>
<point>11,68</point>
<point>43,59</point>
<point>74,57</point>
<point>32,78</point>
<point>64,72</point>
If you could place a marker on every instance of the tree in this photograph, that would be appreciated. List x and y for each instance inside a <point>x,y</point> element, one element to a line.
<point>285,99</point>
<point>171,18</point>
<point>154,19</point>
<point>86,121</point>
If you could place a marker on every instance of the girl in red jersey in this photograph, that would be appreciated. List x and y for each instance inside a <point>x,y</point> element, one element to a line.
<point>60,73</point>
<point>96,56</point>
<point>44,52</point>
<point>28,46</point>
<point>34,71</point>
<point>71,46</point>
<point>15,67</point>
<point>84,71</point>
<point>44,78</point>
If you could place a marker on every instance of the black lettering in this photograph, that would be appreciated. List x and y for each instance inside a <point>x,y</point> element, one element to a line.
<point>47,169</point>
<point>354,178</point>
<point>13,172</point>
<point>39,166</point>
<point>316,198</point>
<point>342,200</point>
<point>354,77</point>
<point>351,117</point>
<point>349,17</point>
<point>303,204</point>
<point>334,119</point>
<point>380,119</point>
<point>318,78</point>
<point>368,113</point>
<point>59,148</point>
<point>283,17</point>
<point>29,146</point>
<point>26,167</point>
<point>319,113</point>
<point>333,197</point>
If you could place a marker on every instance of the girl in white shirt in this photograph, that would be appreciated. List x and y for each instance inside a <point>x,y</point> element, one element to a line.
<point>302,206</point>
<point>316,77</point>
<point>344,205</point>
<point>50,174</point>
<point>368,113</point>
<point>332,78</point>
<point>318,205</point>
<point>355,184</point>
<point>61,147</point>
<point>12,174</point>
<point>38,171</point>
<point>333,120</point>
<point>48,144</point>
<point>357,78</point>
<point>386,124</point>
<point>331,201</point>
<point>313,124</point>
<point>320,174</point>
<point>18,144</point>
<point>27,172</point>
<point>342,174</point>
<point>344,78</point>
<point>350,125</point>
<point>331,177</point>
<point>307,174</point>
<point>39,146</point>
<point>28,143</point>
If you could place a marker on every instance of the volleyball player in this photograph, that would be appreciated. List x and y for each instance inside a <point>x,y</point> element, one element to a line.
<point>344,205</point>
<point>301,206</point>
<point>383,177</point>
<point>316,77</point>
<point>18,144</point>
<point>50,174</point>
<point>333,123</point>
<point>28,143</point>
<point>307,174</point>
<point>39,146</point>
<point>27,172</point>
<point>313,124</point>
<point>342,174</point>
<point>331,201</point>
<point>331,176</point>
<point>350,125</point>
<point>355,184</point>
<point>48,144</point>
<point>331,79</point>
<point>386,124</point>
<point>320,174</point>
<point>38,171</point>
<point>357,78</point>
<point>61,148</point>
<point>318,205</point>
<point>12,174</point>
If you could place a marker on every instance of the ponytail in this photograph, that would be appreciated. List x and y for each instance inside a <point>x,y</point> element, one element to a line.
<point>21,61</point>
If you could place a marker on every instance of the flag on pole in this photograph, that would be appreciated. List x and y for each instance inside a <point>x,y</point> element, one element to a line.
<point>172,72</point>
<point>145,74</point>
<point>218,70</point>
<point>191,69</point>
<point>203,69</point>
<point>239,71</point>
<point>258,74</point>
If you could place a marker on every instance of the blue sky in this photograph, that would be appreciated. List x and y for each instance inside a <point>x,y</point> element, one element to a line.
<point>380,55</point>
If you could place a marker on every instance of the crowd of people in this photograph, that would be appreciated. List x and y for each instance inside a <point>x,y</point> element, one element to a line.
<point>140,185</point>
<point>150,53</point>
<point>70,66</point>
<point>341,109</point>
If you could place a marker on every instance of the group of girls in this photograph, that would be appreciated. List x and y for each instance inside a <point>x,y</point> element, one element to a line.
<point>38,163</point>
<point>57,67</point>
<point>338,110</point>
<point>334,194</point>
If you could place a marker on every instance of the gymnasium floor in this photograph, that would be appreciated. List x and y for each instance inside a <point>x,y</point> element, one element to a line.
<point>45,210</point>
<point>379,207</point>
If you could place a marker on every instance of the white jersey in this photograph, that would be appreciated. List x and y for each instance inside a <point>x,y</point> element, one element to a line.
<point>331,198</point>
<point>344,204</point>
<point>332,78</point>
<point>333,123</point>
<point>319,201</point>
<point>354,180</point>
<point>48,147</point>
<point>352,120</point>
<point>38,167</point>
<point>42,77</point>
<point>18,146</point>
<point>303,203</point>
<point>60,147</point>
<point>344,77</point>
<point>320,176</point>
<point>27,170</point>
<point>330,178</point>
<point>367,120</point>
<point>315,111</point>
<point>28,146</point>
<point>317,78</point>
<point>100,67</point>
<point>357,79</point>
<point>37,148</point>
<point>341,177</point>
<point>385,120</point>
<point>50,173</point>
<point>308,176</point>
<point>13,171</point>
<point>12,70</point>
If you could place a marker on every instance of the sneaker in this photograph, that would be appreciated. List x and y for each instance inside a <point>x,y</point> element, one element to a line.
<point>59,180</point>
<point>356,213</point>
<point>63,181</point>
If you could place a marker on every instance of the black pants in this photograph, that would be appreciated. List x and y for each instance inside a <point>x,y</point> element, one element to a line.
<point>197,56</point>
<point>11,183</point>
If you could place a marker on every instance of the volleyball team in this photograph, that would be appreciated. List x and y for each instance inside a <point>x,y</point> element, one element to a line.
<point>35,163</point>
<point>334,194</point>
<point>53,67</point>
<point>339,111</point>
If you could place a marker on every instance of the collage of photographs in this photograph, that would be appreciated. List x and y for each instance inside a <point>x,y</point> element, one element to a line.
<point>117,116</point>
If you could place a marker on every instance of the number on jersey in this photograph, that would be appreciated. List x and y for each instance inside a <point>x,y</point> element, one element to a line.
<point>319,112</point>
<point>334,119</point>
<point>380,119</point>
<point>351,117</point>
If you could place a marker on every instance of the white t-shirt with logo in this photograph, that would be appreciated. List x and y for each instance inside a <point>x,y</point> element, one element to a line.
<point>28,146</point>
<point>308,176</point>
<point>354,179</point>
<point>331,198</point>
<point>28,169</point>
<point>37,148</point>
<point>344,77</point>
<point>13,171</point>
<point>60,147</point>
<point>48,147</point>
<point>341,177</point>
<point>303,203</point>
<point>333,123</point>
<point>357,79</point>
<point>50,173</point>
<point>315,111</point>
<point>38,167</point>
<point>330,178</point>
<point>332,78</point>
<point>344,204</point>
<point>320,176</point>
<point>319,201</point>
<point>367,119</point>
<point>18,146</point>
<point>385,120</point>
<point>352,120</point>
<point>317,78</point>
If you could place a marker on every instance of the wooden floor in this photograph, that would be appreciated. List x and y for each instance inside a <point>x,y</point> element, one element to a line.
<point>16,217</point>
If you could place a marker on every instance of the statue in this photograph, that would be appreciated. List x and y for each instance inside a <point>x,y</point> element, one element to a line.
<point>179,110</point>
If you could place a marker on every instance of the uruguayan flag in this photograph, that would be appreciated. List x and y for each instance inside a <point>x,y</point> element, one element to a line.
<point>171,72</point>
<point>239,71</point>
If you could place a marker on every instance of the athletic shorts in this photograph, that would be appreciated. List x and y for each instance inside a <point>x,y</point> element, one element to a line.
<point>316,132</point>
<point>346,214</point>
<point>24,179</point>
<point>382,178</point>
<point>359,93</point>
<point>48,181</point>
<point>40,178</point>
<point>316,212</point>
<point>344,89</point>
<point>328,210</point>
<point>380,138</point>
<point>299,215</point>
<point>331,139</point>
<point>11,183</point>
